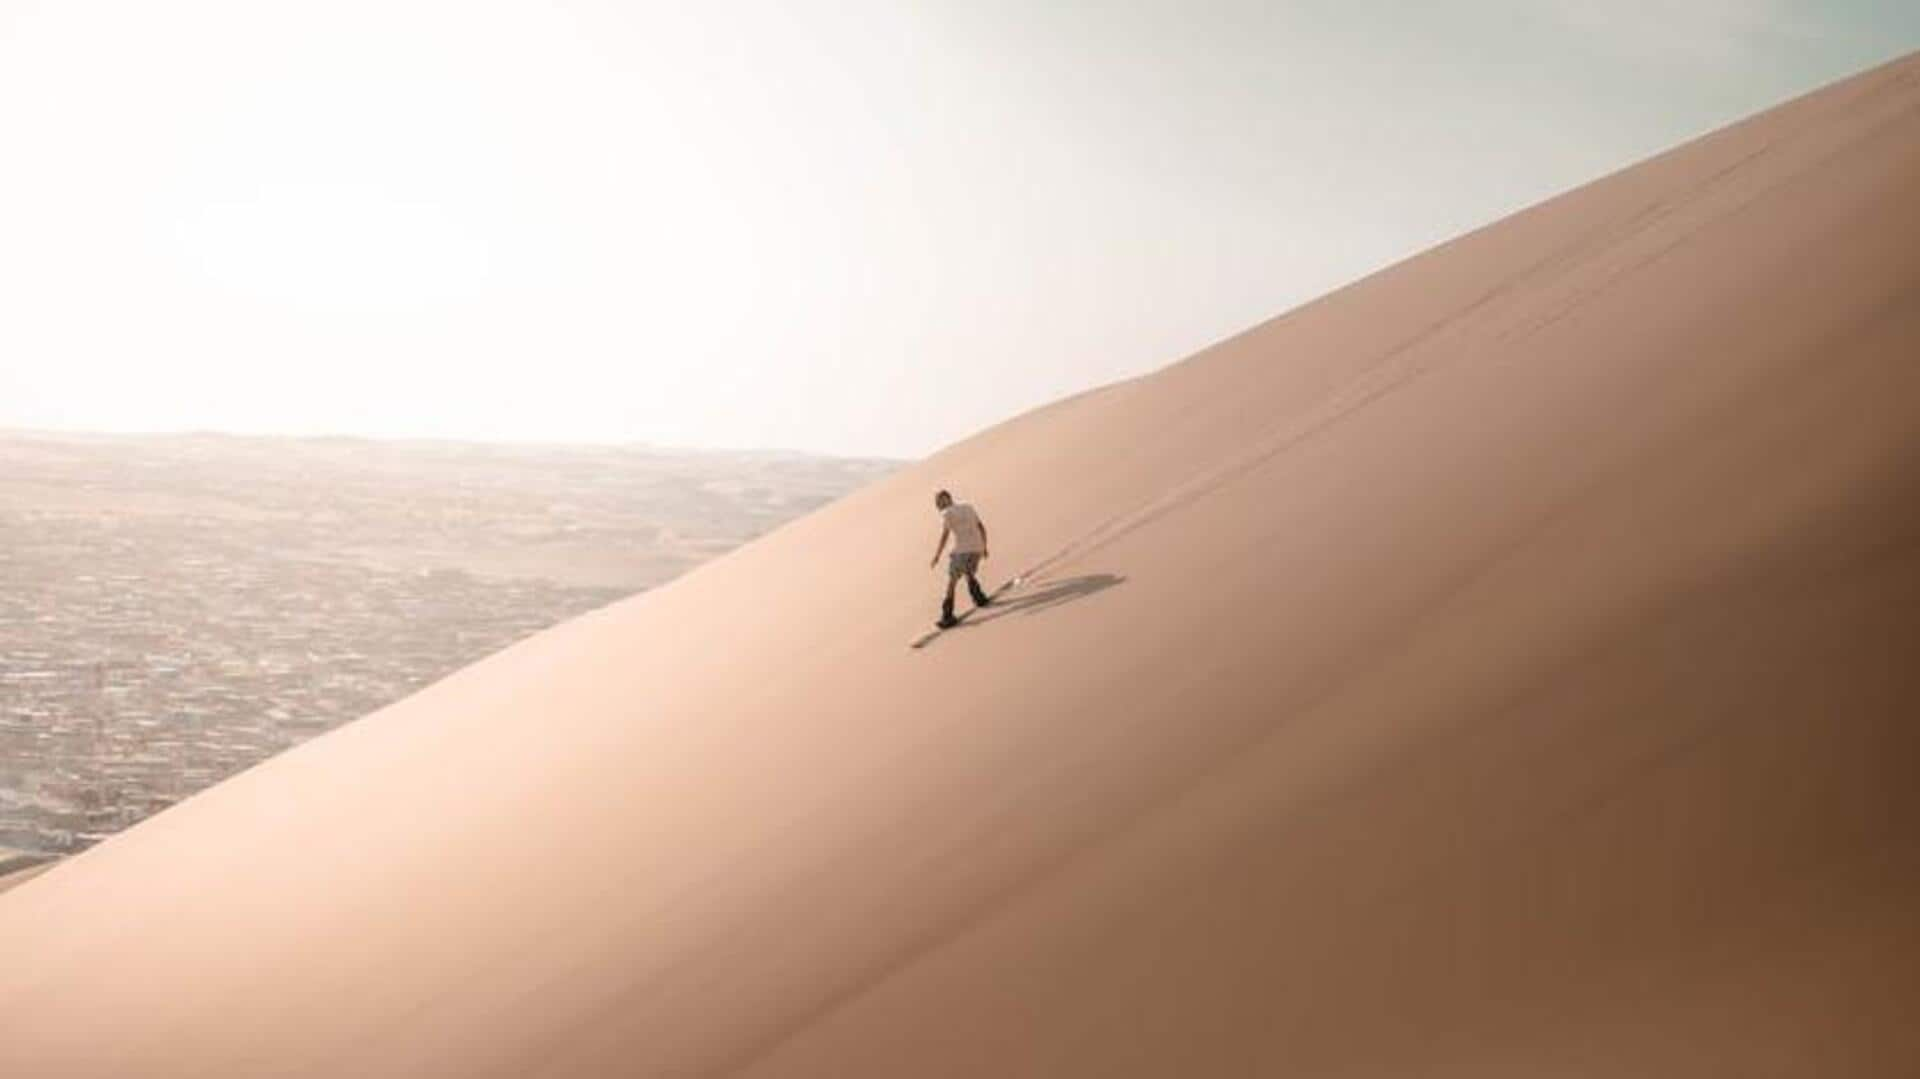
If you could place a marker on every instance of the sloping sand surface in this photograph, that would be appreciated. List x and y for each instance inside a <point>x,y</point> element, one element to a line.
<point>1505,666</point>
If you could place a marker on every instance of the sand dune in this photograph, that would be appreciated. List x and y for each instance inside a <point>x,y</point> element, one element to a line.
<point>1501,667</point>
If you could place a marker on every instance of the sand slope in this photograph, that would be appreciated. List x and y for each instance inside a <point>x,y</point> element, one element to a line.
<point>1502,667</point>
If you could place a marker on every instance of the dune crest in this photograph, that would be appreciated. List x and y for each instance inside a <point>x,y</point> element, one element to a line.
<point>1501,666</point>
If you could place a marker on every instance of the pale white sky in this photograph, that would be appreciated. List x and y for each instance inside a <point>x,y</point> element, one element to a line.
<point>850,227</point>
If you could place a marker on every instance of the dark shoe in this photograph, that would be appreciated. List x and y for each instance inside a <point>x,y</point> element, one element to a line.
<point>947,621</point>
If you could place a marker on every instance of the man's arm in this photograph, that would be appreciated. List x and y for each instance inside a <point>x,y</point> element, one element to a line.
<point>944,533</point>
<point>983,535</point>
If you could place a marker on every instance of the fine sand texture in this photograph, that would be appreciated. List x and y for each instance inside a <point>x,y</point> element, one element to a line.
<point>1505,666</point>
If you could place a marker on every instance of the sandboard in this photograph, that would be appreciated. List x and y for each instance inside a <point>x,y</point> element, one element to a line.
<point>961,619</point>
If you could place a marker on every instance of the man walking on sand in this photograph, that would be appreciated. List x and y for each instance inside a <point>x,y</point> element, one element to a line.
<point>969,547</point>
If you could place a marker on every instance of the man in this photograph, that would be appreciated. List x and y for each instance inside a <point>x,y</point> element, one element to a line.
<point>969,547</point>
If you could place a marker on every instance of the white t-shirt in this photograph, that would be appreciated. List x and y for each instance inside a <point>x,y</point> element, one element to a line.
<point>968,536</point>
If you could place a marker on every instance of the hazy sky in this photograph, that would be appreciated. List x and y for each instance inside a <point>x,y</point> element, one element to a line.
<point>841,226</point>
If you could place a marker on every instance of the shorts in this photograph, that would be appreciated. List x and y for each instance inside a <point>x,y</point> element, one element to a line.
<point>962,564</point>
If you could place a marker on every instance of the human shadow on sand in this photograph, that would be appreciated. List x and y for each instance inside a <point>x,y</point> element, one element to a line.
<point>1006,604</point>
<point>1065,590</point>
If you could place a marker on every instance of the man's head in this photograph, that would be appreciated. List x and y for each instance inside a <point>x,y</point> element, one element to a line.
<point>942,500</point>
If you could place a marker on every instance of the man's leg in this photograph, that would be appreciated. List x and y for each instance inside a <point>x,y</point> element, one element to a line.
<point>973,586</point>
<point>946,608</point>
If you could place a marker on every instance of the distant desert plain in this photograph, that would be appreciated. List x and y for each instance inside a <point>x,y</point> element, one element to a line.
<point>174,609</point>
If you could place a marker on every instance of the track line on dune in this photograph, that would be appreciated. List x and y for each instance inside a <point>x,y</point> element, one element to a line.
<point>1357,395</point>
<point>1212,479</point>
<point>1379,379</point>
